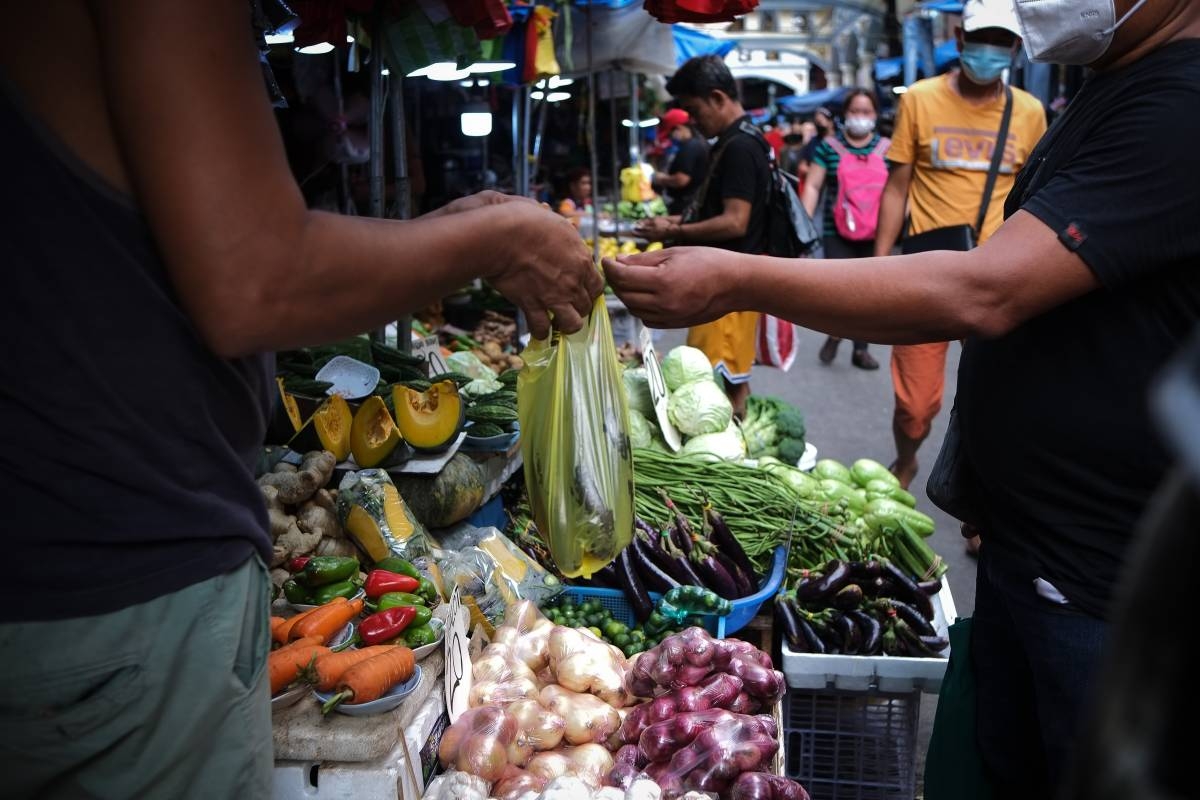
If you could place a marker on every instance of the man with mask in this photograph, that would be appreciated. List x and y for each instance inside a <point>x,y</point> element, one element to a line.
<point>1069,311</point>
<point>939,159</point>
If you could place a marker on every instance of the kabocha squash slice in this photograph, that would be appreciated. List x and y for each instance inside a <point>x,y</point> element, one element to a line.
<point>285,418</point>
<point>429,420</point>
<point>373,434</point>
<point>327,429</point>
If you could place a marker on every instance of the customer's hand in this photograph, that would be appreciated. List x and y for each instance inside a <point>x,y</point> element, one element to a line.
<point>672,288</point>
<point>654,229</point>
<point>546,270</point>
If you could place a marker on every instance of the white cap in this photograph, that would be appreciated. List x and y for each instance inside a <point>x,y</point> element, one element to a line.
<point>980,14</point>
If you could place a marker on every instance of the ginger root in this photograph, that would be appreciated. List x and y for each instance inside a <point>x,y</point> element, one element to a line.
<point>335,547</point>
<point>279,576</point>
<point>296,542</point>
<point>315,518</point>
<point>297,485</point>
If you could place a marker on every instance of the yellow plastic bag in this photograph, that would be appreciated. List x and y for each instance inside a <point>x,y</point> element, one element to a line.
<point>575,442</point>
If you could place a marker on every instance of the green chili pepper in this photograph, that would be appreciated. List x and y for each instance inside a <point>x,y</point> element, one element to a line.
<point>323,594</point>
<point>427,590</point>
<point>324,570</point>
<point>396,599</point>
<point>295,593</point>
<point>420,635</point>
<point>399,566</point>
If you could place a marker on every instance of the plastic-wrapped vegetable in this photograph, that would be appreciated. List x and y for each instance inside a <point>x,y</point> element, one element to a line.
<point>549,765</point>
<point>456,785</point>
<point>515,782</point>
<point>688,658</point>
<point>498,678</point>
<point>590,762</point>
<point>582,663</point>
<point>536,726</point>
<point>371,510</point>
<point>586,718</point>
<point>478,742</point>
<point>717,756</point>
<point>575,442</point>
<point>527,633</point>
<point>717,691</point>
<point>761,786</point>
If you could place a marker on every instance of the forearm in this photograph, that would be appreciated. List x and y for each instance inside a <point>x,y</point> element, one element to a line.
<point>678,180</point>
<point>810,196</point>
<point>892,300</point>
<point>720,228</point>
<point>891,218</point>
<point>328,279</point>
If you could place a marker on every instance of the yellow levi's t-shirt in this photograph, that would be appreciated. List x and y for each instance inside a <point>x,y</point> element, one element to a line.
<point>949,143</point>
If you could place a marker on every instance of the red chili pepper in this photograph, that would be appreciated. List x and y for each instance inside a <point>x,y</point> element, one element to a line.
<point>380,582</point>
<point>384,625</point>
<point>297,563</point>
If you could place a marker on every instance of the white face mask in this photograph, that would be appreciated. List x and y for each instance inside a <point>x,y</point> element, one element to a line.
<point>859,126</point>
<point>1069,31</point>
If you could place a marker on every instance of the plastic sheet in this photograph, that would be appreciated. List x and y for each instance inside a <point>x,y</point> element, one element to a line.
<point>478,743</point>
<point>706,751</point>
<point>575,443</point>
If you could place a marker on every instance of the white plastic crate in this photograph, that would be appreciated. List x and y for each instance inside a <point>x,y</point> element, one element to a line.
<point>883,673</point>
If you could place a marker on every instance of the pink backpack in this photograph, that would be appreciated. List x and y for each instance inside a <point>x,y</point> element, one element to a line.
<point>861,179</point>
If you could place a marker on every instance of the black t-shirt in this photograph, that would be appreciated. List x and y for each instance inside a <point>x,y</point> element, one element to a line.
<point>691,158</point>
<point>742,172</point>
<point>128,448</point>
<point>1054,415</point>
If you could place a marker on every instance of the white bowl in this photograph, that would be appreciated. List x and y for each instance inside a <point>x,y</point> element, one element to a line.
<point>389,701</point>
<point>289,697</point>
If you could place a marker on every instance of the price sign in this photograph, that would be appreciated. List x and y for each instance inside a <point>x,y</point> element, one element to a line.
<point>658,391</point>
<point>430,350</point>
<point>458,660</point>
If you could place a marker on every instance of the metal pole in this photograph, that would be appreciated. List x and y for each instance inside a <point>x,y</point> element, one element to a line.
<point>526,126</point>
<point>403,186</point>
<point>516,132</point>
<point>375,132</point>
<point>614,127</point>
<point>635,141</point>
<point>345,204</point>
<point>591,126</point>
<point>543,111</point>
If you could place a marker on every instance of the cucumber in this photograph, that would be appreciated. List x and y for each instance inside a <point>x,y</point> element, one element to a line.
<point>833,470</point>
<point>484,430</point>
<point>500,415</point>
<point>509,378</point>
<point>864,470</point>
<point>883,513</point>
<point>305,387</point>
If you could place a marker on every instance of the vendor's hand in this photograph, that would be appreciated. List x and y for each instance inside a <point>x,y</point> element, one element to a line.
<point>673,288</point>
<point>546,270</point>
<point>655,229</point>
<point>478,200</point>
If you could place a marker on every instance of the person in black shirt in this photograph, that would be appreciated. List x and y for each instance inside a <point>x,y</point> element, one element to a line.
<point>728,211</point>
<point>1068,312</point>
<point>688,165</point>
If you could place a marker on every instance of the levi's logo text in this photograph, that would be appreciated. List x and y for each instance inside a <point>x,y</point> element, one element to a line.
<point>969,148</point>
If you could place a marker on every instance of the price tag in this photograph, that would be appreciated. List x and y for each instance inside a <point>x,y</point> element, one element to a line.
<point>658,391</point>
<point>458,660</point>
<point>430,350</point>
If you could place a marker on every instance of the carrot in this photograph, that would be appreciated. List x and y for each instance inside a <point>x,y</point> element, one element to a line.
<point>275,623</point>
<point>325,674</point>
<point>281,633</point>
<point>307,642</point>
<point>372,679</point>
<point>283,666</point>
<point>327,620</point>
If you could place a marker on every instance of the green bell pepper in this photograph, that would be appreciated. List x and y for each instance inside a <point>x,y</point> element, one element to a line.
<point>324,570</point>
<point>427,590</point>
<point>399,566</point>
<point>295,593</point>
<point>420,635</point>
<point>394,599</point>
<point>323,594</point>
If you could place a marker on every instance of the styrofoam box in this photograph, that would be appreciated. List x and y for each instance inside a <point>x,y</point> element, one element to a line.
<point>883,673</point>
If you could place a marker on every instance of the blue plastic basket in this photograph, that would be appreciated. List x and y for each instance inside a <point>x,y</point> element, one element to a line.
<point>743,610</point>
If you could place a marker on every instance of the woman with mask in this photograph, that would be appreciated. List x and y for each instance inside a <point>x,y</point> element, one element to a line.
<point>852,206</point>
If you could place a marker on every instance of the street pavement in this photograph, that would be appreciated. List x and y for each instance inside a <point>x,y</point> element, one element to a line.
<point>848,412</point>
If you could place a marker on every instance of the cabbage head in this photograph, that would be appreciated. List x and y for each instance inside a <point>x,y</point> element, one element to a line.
<point>727,445</point>
<point>700,407</point>
<point>637,391</point>
<point>684,365</point>
<point>641,433</point>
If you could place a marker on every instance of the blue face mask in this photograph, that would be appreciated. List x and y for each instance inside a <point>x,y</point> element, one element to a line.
<point>984,63</point>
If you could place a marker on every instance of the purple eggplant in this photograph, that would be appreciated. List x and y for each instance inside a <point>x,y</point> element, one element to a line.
<point>789,623</point>
<point>851,636</point>
<point>870,629</point>
<point>930,587</point>
<point>727,543</point>
<point>634,589</point>
<point>912,616</point>
<point>653,577</point>
<point>745,586</point>
<point>907,590</point>
<point>681,529</point>
<point>848,597</point>
<point>683,563</point>
<point>715,576</point>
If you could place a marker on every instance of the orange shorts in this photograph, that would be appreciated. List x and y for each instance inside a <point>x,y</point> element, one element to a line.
<point>729,344</point>
<point>918,377</point>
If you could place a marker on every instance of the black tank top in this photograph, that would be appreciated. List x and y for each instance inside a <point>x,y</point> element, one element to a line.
<point>127,448</point>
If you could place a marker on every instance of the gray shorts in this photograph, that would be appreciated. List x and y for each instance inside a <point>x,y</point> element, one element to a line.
<point>166,699</point>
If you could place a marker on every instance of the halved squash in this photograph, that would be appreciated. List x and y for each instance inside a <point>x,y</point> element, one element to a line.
<point>429,420</point>
<point>327,429</point>
<point>373,434</point>
<point>285,418</point>
<point>376,517</point>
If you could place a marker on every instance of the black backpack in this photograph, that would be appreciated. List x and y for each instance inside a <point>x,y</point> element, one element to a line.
<point>791,232</point>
